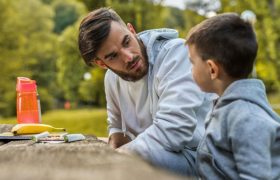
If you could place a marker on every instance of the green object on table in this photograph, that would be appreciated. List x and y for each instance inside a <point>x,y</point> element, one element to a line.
<point>73,137</point>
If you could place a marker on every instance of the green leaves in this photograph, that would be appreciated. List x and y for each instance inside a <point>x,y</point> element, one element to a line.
<point>38,39</point>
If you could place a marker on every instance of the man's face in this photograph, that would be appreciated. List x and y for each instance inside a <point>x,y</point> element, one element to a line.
<point>200,70</point>
<point>123,53</point>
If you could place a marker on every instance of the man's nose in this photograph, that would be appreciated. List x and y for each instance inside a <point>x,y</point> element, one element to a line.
<point>127,56</point>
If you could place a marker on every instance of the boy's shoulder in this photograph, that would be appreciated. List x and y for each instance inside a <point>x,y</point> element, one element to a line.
<point>244,114</point>
<point>246,100</point>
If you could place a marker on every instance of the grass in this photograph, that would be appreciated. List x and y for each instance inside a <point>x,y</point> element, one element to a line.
<point>91,121</point>
<point>85,121</point>
<point>275,99</point>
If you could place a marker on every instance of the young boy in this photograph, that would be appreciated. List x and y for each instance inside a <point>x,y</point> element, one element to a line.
<point>242,139</point>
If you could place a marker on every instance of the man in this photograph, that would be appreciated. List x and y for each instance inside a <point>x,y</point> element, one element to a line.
<point>154,107</point>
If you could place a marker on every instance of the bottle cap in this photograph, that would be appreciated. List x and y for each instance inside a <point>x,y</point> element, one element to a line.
<point>25,85</point>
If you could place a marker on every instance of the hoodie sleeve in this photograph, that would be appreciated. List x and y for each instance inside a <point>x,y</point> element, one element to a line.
<point>179,99</point>
<point>252,137</point>
<point>113,111</point>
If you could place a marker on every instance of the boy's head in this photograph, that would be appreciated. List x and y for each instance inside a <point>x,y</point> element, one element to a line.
<point>226,42</point>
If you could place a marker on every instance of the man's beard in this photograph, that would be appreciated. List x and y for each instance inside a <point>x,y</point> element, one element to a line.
<point>140,73</point>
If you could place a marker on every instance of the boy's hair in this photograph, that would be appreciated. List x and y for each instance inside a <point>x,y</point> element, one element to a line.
<point>94,30</point>
<point>227,39</point>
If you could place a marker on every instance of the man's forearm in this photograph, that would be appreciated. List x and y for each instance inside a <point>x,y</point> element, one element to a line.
<point>118,139</point>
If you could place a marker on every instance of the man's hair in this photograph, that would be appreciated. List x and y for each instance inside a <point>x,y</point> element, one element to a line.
<point>94,30</point>
<point>227,39</point>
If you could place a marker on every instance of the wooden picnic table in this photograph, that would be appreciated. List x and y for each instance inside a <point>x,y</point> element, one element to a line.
<point>87,159</point>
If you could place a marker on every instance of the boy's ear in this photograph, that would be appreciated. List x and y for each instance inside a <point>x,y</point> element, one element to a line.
<point>213,69</point>
<point>100,63</point>
<point>131,28</point>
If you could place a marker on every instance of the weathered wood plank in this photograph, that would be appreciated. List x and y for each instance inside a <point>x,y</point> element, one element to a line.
<point>88,159</point>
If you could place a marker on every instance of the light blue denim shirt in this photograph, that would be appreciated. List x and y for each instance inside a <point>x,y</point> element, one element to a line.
<point>242,139</point>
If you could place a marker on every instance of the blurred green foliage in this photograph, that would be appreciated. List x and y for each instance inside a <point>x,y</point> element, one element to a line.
<point>38,39</point>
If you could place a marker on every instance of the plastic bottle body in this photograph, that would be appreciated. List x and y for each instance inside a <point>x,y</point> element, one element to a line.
<point>28,106</point>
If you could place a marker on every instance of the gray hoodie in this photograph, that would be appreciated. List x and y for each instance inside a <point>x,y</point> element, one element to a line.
<point>177,107</point>
<point>242,139</point>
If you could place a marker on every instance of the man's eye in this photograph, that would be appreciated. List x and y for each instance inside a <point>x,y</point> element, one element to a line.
<point>113,56</point>
<point>127,42</point>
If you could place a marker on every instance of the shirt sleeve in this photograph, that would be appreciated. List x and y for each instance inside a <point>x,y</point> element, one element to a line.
<point>113,111</point>
<point>251,141</point>
<point>179,99</point>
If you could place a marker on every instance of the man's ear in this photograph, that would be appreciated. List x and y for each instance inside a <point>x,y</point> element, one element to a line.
<point>131,28</point>
<point>100,63</point>
<point>214,69</point>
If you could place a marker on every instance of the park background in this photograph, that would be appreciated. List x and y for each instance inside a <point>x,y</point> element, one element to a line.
<point>38,39</point>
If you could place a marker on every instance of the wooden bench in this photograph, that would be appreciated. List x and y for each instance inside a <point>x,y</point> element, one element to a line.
<point>81,160</point>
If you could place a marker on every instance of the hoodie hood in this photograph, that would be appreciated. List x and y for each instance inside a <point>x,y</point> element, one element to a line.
<point>250,90</point>
<point>150,37</point>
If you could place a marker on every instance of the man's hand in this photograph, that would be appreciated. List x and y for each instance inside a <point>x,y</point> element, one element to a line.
<point>118,139</point>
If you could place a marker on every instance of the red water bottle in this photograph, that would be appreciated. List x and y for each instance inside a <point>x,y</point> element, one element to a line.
<point>28,103</point>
